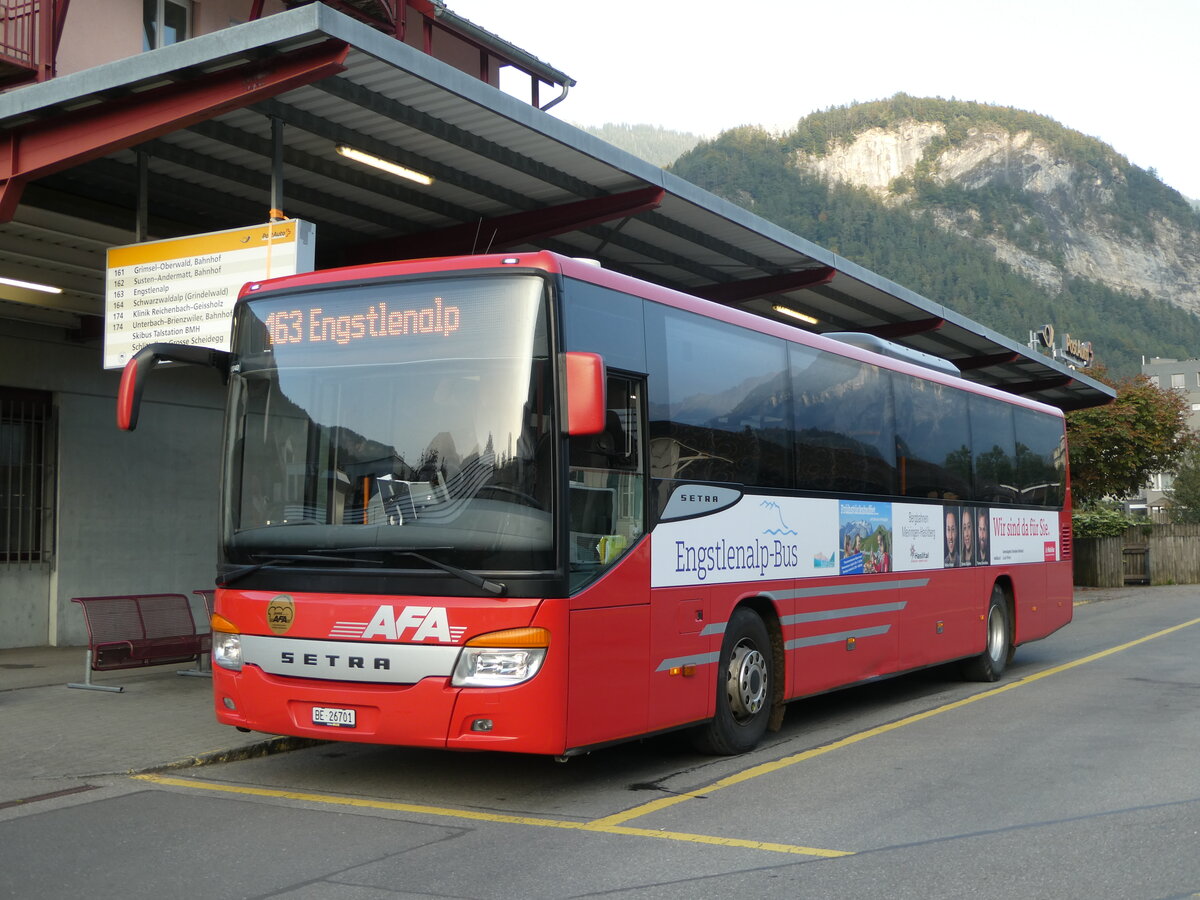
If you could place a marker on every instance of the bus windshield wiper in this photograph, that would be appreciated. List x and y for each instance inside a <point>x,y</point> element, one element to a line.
<point>498,588</point>
<point>283,559</point>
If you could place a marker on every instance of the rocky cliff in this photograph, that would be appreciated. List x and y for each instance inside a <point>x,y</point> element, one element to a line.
<point>1063,217</point>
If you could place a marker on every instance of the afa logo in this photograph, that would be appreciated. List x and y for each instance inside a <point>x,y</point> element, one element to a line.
<point>413,623</point>
<point>281,613</point>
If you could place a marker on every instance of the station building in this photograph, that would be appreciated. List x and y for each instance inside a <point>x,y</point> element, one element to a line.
<point>143,120</point>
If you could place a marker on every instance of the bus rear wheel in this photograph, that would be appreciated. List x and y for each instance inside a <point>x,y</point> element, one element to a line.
<point>990,664</point>
<point>745,688</point>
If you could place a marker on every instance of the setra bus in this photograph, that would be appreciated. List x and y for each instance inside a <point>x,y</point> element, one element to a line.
<point>523,503</point>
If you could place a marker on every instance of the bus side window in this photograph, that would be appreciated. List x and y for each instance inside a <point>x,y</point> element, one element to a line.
<point>720,402</point>
<point>844,434</point>
<point>933,439</point>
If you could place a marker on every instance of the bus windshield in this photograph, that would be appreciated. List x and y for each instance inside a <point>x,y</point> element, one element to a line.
<point>393,418</point>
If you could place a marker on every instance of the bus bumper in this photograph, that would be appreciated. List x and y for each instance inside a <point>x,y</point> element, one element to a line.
<point>526,718</point>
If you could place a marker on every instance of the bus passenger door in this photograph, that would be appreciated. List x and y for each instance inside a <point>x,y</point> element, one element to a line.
<point>609,562</point>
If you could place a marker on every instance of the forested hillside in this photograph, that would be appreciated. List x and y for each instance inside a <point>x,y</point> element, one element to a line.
<point>1001,215</point>
<point>649,142</point>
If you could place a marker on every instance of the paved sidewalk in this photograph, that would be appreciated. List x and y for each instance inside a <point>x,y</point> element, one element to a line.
<point>52,736</point>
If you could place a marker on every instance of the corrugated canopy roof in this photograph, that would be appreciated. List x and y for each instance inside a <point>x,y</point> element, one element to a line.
<point>507,176</point>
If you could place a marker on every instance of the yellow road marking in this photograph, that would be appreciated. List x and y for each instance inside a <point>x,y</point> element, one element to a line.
<point>785,762</point>
<point>615,824</point>
<point>362,803</point>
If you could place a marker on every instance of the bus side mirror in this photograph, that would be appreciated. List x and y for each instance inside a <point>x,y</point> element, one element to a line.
<point>133,378</point>
<point>584,383</point>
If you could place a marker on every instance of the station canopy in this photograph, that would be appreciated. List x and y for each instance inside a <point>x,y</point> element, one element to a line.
<point>198,131</point>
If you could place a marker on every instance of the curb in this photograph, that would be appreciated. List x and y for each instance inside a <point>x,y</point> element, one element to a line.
<point>269,747</point>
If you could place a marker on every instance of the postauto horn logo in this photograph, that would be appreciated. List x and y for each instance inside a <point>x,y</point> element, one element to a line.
<point>281,612</point>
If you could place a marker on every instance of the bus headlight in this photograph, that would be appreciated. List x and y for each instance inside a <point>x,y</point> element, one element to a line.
<point>501,658</point>
<point>227,651</point>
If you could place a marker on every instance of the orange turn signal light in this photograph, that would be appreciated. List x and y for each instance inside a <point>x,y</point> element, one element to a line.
<point>512,637</point>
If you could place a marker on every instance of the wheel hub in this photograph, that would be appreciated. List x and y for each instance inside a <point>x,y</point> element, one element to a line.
<point>747,684</point>
<point>997,636</point>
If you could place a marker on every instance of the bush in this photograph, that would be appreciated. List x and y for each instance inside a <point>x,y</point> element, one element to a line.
<point>1100,521</point>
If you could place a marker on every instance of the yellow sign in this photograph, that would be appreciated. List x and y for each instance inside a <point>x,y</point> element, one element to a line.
<point>182,290</point>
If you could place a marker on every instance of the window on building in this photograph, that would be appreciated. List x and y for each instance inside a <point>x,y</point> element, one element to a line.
<point>165,22</point>
<point>26,492</point>
<point>1179,381</point>
<point>1162,481</point>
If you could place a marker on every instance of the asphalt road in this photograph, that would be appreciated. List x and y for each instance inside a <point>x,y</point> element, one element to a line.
<point>1075,776</point>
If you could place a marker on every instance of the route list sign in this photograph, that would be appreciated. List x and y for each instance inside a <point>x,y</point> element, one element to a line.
<point>182,291</point>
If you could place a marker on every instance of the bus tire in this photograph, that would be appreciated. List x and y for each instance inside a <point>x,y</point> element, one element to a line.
<point>990,664</point>
<point>745,687</point>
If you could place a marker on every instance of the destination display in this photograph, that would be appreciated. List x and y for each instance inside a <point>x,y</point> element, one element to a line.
<point>389,320</point>
<point>371,320</point>
<point>183,290</point>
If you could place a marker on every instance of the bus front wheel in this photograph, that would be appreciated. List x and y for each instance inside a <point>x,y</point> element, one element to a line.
<point>744,688</point>
<point>989,665</point>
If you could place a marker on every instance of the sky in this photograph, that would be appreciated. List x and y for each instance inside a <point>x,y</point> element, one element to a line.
<point>1124,72</point>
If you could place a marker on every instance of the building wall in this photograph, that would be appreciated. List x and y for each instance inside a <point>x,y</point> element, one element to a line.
<point>1178,374</point>
<point>134,512</point>
<point>1182,375</point>
<point>24,604</point>
<point>99,32</point>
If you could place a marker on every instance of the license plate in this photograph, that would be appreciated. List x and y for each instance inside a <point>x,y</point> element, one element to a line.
<point>337,718</point>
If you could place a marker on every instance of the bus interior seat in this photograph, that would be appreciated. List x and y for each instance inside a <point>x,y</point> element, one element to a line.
<point>600,451</point>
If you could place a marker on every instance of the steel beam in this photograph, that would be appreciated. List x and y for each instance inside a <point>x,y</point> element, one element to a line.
<point>904,329</point>
<point>502,232</point>
<point>49,145</point>
<point>1030,387</point>
<point>967,363</point>
<point>731,292</point>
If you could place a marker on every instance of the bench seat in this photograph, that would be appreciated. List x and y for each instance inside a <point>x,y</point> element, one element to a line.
<point>128,631</point>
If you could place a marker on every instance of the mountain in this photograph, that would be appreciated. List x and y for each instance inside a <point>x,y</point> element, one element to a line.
<point>656,145</point>
<point>1000,214</point>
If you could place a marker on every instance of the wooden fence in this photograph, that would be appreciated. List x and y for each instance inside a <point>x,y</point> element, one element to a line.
<point>1145,554</point>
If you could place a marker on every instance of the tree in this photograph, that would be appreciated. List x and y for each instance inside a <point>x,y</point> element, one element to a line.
<point>1115,448</point>
<point>1185,493</point>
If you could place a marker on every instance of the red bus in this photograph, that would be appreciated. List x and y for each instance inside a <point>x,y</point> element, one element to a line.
<point>524,503</point>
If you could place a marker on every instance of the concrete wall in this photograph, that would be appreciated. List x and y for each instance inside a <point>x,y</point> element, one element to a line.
<point>24,604</point>
<point>134,512</point>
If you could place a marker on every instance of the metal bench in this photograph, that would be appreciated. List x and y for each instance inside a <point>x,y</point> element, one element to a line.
<point>133,630</point>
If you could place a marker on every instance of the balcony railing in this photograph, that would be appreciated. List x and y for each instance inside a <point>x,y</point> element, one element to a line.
<point>29,33</point>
